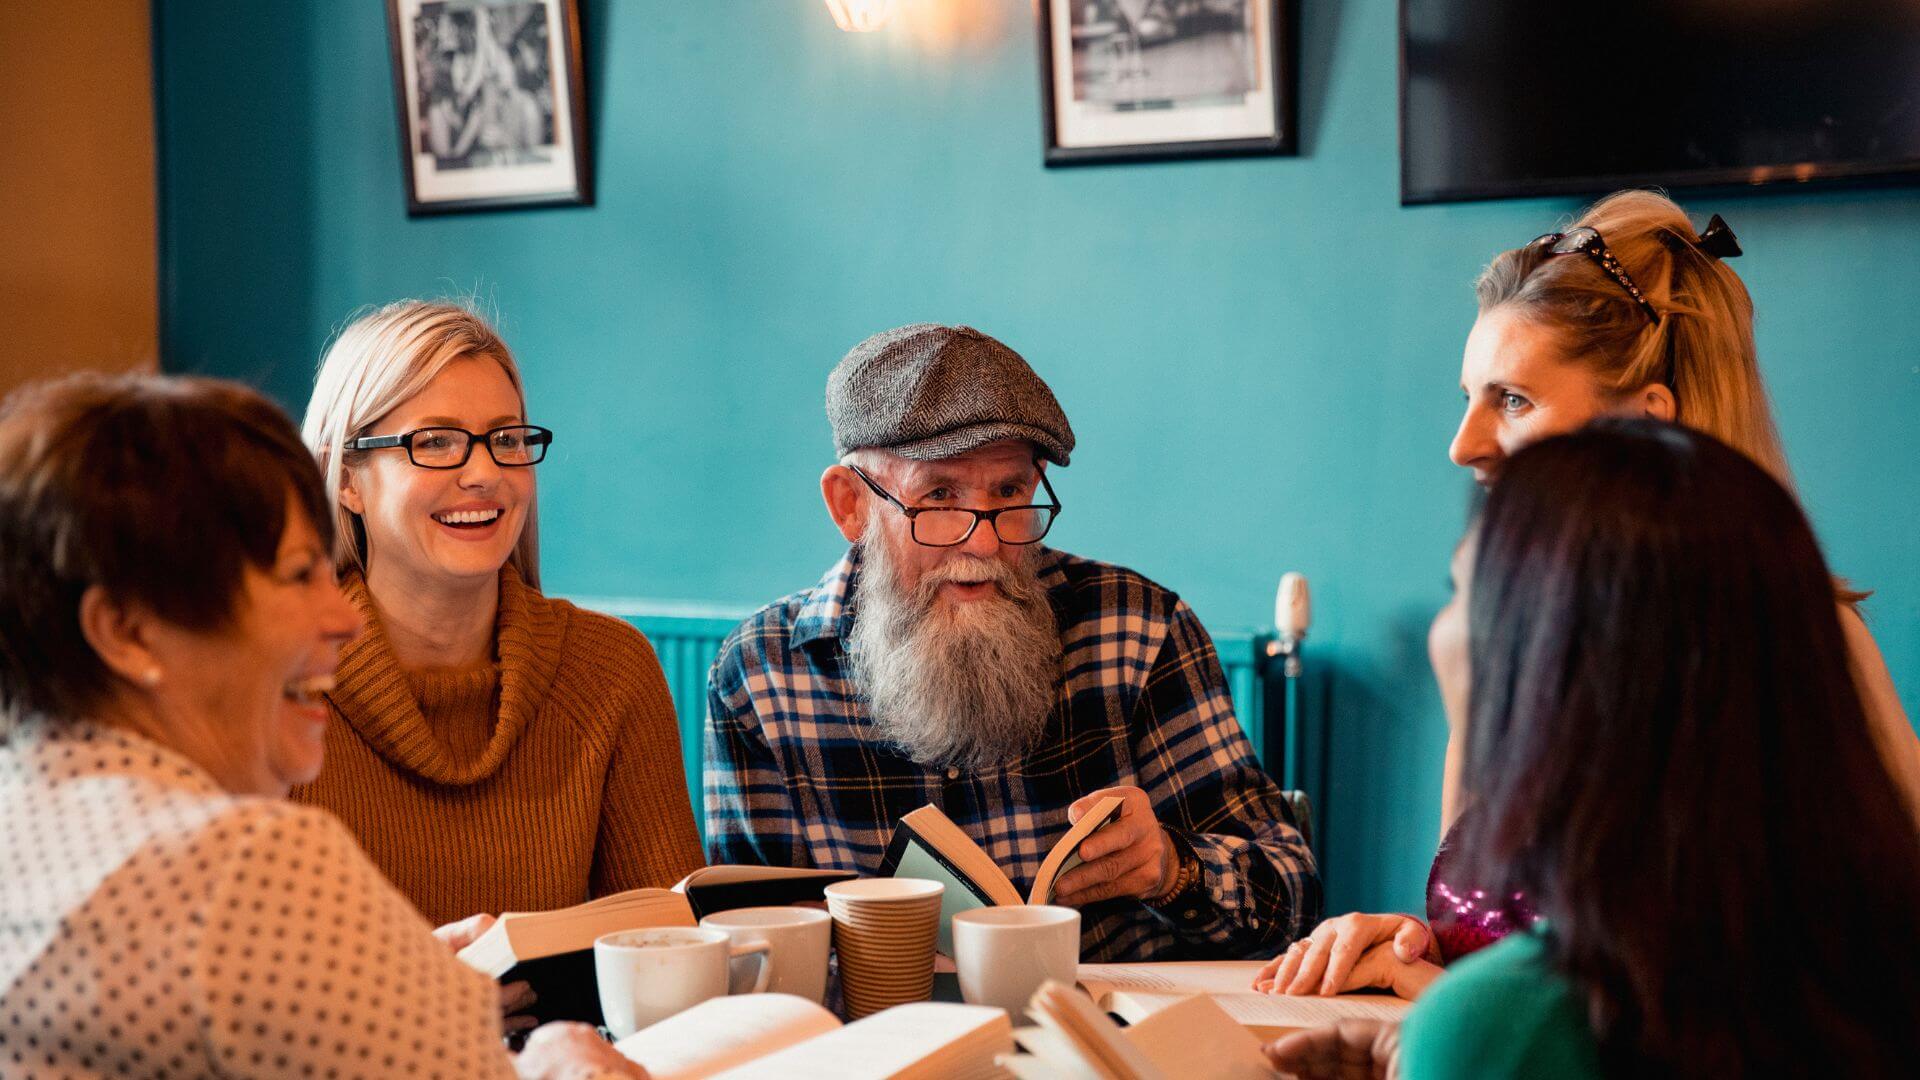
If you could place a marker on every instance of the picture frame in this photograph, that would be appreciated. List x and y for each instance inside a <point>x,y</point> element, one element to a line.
<point>1140,80</point>
<point>492,104</point>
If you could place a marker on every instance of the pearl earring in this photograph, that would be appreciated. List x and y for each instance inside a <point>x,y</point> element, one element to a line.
<point>151,677</point>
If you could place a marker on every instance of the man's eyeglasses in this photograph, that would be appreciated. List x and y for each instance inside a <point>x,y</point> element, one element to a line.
<point>944,526</point>
<point>513,446</point>
<point>1586,241</point>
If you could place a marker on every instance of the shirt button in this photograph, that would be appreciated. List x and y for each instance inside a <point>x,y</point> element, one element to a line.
<point>953,773</point>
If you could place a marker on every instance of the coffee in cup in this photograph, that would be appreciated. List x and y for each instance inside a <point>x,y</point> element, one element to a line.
<point>648,975</point>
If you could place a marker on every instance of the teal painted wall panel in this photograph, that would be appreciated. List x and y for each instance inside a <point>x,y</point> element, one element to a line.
<point>1259,356</point>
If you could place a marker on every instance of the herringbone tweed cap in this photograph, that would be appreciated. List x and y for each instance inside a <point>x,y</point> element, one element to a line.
<point>928,392</point>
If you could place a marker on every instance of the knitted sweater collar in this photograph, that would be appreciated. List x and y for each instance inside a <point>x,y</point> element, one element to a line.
<point>373,695</point>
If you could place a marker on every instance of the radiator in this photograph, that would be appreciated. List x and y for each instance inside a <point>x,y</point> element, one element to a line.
<point>687,637</point>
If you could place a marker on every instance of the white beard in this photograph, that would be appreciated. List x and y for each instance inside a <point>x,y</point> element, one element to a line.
<point>969,685</point>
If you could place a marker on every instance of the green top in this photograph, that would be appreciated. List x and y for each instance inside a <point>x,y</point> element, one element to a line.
<point>1503,1012</point>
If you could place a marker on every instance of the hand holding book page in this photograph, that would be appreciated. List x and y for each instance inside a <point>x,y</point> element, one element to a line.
<point>515,997</point>
<point>1132,856</point>
<point>927,844</point>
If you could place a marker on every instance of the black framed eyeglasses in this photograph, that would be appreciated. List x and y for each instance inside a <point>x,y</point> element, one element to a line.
<point>1586,241</point>
<point>950,526</point>
<point>514,446</point>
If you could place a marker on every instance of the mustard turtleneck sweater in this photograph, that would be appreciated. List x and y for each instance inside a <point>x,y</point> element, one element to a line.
<point>544,779</point>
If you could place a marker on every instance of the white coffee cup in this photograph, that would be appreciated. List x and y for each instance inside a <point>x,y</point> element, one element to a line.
<point>797,937</point>
<point>1004,953</point>
<point>648,975</point>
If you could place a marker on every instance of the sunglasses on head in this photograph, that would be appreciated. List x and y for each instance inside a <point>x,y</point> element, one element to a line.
<point>1717,242</point>
<point>1586,241</point>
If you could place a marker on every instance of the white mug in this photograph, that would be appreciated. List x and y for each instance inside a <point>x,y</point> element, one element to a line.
<point>798,938</point>
<point>1004,953</point>
<point>648,975</point>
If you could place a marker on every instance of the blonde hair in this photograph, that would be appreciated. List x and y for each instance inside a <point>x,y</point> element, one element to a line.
<point>1701,347</point>
<point>379,361</point>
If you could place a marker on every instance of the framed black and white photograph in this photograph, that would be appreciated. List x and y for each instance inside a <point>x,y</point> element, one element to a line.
<point>492,103</point>
<point>1130,80</point>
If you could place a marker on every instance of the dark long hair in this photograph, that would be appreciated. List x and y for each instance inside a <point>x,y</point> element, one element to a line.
<point>1670,761</point>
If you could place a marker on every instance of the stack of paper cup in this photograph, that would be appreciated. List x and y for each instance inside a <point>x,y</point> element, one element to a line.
<point>884,930</point>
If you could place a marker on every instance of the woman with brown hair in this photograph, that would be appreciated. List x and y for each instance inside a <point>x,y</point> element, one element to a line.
<point>168,623</point>
<point>1684,839</point>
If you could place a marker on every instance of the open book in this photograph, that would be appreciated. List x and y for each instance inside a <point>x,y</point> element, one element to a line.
<point>553,950</point>
<point>724,888</point>
<point>1193,1039</point>
<point>927,844</point>
<point>1135,992</point>
<point>762,1035</point>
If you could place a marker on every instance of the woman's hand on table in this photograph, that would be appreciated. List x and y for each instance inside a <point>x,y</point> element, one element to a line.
<point>568,1051</point>
<point>515,997</point>
<point>1348,1050</point>
<point>1327,961</point>
<point>1380,968</point>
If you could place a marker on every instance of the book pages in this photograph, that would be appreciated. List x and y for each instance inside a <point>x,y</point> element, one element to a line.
<point>1137,991</point>
<point>723,1033</point>
<point>907,1042</point>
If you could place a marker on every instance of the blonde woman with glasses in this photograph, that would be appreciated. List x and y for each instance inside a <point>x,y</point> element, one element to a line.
<point>496,750</point>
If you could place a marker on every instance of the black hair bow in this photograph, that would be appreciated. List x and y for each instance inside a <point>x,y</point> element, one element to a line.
<point>1718,240</point>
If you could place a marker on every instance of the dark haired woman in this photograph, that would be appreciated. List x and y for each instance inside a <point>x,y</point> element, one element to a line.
<point>168,621</point>
<point>1678,804</point>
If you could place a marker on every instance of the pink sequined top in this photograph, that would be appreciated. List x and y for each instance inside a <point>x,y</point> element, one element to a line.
<point>1464,918</point>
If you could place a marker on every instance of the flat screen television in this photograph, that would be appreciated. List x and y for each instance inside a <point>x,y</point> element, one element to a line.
<point>1503,98</point>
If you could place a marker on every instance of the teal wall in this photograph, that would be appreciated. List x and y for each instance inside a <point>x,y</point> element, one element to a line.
<point>1259,356</point>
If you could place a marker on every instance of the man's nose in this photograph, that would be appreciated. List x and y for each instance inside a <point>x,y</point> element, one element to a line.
<point>984,543</point>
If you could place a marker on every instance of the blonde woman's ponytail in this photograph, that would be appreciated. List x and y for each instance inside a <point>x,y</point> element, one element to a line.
<point>1701,346</point>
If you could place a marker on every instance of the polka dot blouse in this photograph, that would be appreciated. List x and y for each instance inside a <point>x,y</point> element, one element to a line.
<point>152,925</point>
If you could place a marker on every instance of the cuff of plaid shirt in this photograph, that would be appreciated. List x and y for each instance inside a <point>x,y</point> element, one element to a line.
<point>1216,914</point>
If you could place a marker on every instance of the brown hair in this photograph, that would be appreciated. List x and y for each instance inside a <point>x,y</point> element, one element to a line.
<point>1701,347</point>
<point>158,489</point>
<point>1682,815</point>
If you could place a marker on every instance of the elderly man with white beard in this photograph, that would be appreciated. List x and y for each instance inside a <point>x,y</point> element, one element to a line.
<point>950,658</point>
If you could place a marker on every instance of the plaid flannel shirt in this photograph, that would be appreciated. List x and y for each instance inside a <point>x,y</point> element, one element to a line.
<point>796,777</point>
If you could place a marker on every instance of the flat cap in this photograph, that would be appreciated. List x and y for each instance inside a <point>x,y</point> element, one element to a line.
<point>928,392</point>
